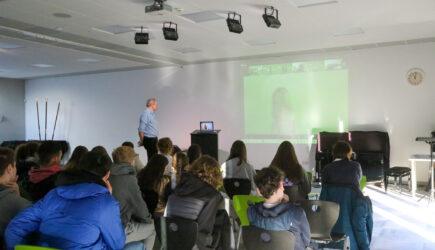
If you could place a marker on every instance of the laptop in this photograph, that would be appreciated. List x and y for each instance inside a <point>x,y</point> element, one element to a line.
<point>206,126</point>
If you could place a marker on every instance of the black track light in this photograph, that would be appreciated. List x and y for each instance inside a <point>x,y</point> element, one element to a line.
<point>170,31</point>
<point>270,17</point>
<point>156,6</point>
<point>234,22</point>
<point>141,37</point>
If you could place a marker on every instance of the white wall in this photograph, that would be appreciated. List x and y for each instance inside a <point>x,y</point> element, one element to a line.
<point>11,110</point>
<point>104,108</point>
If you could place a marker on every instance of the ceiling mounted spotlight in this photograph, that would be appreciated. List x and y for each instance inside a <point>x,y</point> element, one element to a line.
<point>170,31</point>
<point>234,22</point>
<point>270,16</point>
<point>141,37</point>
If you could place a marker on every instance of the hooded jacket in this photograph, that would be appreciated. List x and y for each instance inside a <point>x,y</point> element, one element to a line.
<point>41,181</point>
<point>208,201</point>
<point>10,205</point>
<point>79,214</point>
<point>356,214</point>
<point>283,217</point>
<point>127,192</point>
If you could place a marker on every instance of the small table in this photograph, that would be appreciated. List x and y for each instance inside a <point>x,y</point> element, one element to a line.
<point>414,159</point>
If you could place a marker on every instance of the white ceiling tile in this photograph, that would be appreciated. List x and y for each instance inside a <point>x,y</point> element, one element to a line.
<point>202,16</point>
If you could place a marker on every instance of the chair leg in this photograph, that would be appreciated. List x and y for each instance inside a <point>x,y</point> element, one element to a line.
<point>400,183</point>
<point>385,182</point>
<point>239,236</point>
<point>409,183</point>
<point>236,230</point>
<point>346,245</point>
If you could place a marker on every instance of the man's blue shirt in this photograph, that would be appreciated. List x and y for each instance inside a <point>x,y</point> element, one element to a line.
<point>148,123</point>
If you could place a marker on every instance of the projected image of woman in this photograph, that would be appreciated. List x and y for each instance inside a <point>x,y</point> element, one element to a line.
<point>281,111</point>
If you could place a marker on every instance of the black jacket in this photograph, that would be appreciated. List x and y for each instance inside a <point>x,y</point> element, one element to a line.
<point>37,191</point>
<point>204,202</point>
<point>342,172</point>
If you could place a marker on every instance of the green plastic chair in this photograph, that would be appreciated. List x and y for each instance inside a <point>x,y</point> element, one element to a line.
<point>241,204</point>
<point>309,175</point>
<point>363,182</point>
<point>25,247</point>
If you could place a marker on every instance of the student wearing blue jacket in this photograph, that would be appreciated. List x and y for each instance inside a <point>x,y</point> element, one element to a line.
<point>79,213</point>
<point>276,213</point>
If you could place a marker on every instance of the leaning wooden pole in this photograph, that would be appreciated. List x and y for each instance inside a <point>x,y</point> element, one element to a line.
<point>55,121</point>
<point>46,104</point>
<point>37,116</point>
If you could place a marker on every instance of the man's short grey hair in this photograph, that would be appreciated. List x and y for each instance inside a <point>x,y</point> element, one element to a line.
<point>151,100</point>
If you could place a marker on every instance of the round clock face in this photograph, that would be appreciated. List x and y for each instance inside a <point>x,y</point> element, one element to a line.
<point>415,76</point>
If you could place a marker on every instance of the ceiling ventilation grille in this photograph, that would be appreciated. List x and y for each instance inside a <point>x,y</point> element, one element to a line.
<point>311,3</point>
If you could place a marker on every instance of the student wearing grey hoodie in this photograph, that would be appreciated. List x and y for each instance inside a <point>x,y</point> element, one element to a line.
<point>135,216</point>
<point>11,203</point>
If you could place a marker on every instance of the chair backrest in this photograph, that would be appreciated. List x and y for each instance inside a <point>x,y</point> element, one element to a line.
<point>135,245</point>
<point>363,182</point>
<point>255,238</point>
<point>237,186</point>
<point>241,204</point>
<point>26,247</point>
<point>322,216</point>
<point>183,207</point>
<point>309,176</point>
<point>178,233</point>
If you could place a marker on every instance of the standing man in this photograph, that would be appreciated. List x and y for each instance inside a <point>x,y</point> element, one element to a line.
<point>148,132</point>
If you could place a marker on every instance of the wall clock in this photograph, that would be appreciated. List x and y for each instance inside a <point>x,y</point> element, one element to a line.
<point>415,76</point>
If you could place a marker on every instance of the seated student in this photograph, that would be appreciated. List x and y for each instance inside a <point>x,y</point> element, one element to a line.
<point>26,158</point>
<point>134,213</point>
<point>101,150</point>
<point>276,213</point>
<point>193,153</point>
<point>196,197</point>
<point>164,146</point>
<point>76,155</point>
<point>154,185</point>
<point>80,213</point>
<point>42,179</point>
<point>180,163</point>
<point>342,170</point>
<point>296,182</point>
<point>11,203</point>
<point>175,149</point>
<point>138,165</point>
<point>237,165</point>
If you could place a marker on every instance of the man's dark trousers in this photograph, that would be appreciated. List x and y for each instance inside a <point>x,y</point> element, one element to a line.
<point>150,145</point>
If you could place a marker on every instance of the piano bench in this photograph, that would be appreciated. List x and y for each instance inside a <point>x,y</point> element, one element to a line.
<point>396,172</point>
